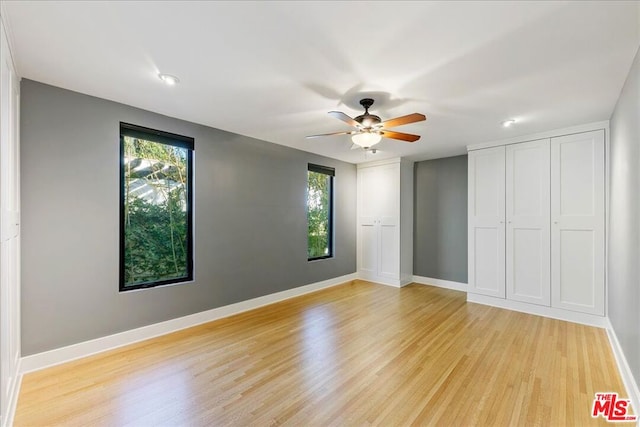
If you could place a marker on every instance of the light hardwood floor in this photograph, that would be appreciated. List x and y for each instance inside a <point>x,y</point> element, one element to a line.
<point>354,354</point>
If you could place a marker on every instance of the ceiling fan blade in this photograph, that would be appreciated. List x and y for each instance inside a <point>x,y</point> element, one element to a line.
<point>404,120</point>
<point>330,134</point>
<point>342,116</point>
<point>407,137</point>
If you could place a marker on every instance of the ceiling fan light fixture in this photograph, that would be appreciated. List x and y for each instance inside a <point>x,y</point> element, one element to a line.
<point>366,139</point>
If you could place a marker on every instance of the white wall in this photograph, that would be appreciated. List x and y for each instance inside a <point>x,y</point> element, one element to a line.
<point>624,221</point>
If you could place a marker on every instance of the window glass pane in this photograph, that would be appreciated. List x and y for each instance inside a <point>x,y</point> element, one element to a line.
<point>155,212</point>
<point>319,215</point>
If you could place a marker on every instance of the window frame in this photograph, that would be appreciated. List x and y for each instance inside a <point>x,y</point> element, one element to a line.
<point>165,138</point>
<point>331,172</point>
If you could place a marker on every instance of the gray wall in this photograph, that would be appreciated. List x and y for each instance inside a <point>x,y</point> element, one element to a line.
<point>250,220</point>
<point>624,220</point>
<point>440,219</point>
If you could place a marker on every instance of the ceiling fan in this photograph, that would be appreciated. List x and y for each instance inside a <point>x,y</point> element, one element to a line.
<point>370,129</point>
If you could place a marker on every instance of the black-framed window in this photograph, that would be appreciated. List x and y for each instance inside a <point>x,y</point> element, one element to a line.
<point>156,207</point>
<point>319,211</point>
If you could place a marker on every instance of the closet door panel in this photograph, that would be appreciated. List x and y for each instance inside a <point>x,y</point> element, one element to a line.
<point>577,272</point>
<point>578,223</point>
<point>528,244</point>
<point>389,249</point>
<point>488,263</point>
<point>486,222</point>
<point>368,253</point>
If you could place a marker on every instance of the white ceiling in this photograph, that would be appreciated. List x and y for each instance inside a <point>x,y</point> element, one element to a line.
<point>272,70</point>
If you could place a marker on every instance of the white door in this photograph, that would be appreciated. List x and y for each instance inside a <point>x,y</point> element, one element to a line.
<point>9,226</point>
<point>486,207</point>
<point>367,224</point>
<point>577,228</point>
<point>378,229</point>
<point>528,201</point>
<point>387,213</point>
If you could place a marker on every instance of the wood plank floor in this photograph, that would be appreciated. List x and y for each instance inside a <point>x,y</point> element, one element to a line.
<point>354,354</point>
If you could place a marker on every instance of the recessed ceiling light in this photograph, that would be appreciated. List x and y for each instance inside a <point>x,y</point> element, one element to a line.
<point>169,79</point>
<point>508,123</point>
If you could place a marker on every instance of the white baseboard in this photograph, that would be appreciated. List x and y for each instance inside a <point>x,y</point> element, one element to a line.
<point>404,281</point>
<point>391,283</point>
<point>633,392</point>
<point>57,356</point>
<point>441,283</point>
<point>14,392</point>
<point>539,310</point>
<point>381,280</point>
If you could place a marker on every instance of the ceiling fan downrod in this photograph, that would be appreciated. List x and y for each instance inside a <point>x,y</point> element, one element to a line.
<point>366,103</point>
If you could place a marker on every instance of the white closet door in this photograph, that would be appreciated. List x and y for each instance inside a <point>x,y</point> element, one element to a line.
<point>378,228</point>
<point>367,223</point>
<point>486,222</point>
<point>388,211</point>
<point>9,226</point>
<point>528,235</point>
<point>577,229</point>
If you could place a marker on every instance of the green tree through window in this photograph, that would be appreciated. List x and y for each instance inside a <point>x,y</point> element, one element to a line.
<point>156,235</point>
<point>320,212</point>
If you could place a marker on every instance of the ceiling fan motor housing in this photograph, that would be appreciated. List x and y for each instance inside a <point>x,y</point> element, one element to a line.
<point>366,103</point>
<point>367,120</point>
